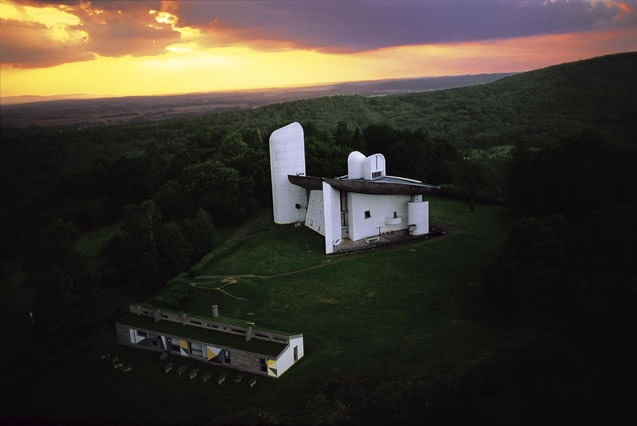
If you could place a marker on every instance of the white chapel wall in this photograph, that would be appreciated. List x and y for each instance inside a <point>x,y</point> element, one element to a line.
<point>418,215</point>
<point>381,210</point>
<point>332,212</point>
<point>315,219</point>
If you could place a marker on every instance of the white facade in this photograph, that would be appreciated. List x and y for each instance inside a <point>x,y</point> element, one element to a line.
<point>287,157</point>
<point>418,216</point>
<point>332,209</point>
<point>367,213</point>
<point>364,204</point>
<point>290,355</point>
<point>315,219</point>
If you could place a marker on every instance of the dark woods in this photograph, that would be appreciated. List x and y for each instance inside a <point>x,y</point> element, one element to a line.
<point>155,195</point>
<point>92,215</point>
<point>567,271</point>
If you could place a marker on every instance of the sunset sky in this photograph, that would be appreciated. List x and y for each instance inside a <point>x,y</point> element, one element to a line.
<point>120,48</point>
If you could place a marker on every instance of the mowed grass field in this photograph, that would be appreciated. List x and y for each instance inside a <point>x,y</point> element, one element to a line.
<point>409,310</point>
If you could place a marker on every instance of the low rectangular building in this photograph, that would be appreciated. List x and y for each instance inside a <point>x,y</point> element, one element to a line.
<point>228,344</point>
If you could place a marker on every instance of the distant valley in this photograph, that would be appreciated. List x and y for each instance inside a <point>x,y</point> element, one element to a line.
<point>23,112</point>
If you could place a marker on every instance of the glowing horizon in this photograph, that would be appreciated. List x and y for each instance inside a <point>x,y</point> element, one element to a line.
<point>159,48</point>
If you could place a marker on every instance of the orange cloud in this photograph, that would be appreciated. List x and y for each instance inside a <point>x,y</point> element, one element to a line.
<point>36,35</point>
<point>118,48</point>
<point>190,67</point>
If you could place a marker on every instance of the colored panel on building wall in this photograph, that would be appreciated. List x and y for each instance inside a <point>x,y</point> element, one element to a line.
<point>183,347</point>
<point>272,368</point>
<point>137,337</point>
<point>212,353</point>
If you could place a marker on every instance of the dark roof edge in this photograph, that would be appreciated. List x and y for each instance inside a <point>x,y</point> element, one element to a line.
<point>364,186</point>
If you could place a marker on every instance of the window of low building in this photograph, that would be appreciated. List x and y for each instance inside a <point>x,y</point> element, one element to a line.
<point>196,349</point>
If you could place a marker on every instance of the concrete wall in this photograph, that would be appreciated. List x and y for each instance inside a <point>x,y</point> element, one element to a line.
<point>315,219</point>
<point>286,358</point>
<point>287,157</point>
<point>381,210</point>
<point>332,210</point>
<point>418,215</point>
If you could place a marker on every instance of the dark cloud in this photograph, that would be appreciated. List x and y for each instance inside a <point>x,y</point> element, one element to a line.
<point>355,25</point>
<point>118,28</point>
<point>132,32</point>
<point>27,45</point>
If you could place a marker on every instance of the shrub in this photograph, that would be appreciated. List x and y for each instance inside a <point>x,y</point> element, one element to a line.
<point>175,293</point>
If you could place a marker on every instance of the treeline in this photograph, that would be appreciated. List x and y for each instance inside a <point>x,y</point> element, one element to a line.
<point>571,248</point>
<point>163,188</point>
<point>159,191</point>
<point>567,272</point>
<point>537,108</point>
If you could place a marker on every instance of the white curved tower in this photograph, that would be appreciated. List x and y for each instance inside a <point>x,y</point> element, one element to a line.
<point>374,167</point>
<point>287,157</point>
<point>355,163</point>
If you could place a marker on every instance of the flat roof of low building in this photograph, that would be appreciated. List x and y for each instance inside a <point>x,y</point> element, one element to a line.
<point>213,337</point>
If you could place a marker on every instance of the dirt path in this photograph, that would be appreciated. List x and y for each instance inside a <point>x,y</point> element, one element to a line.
<point>224,283</point>
<point>226,280</point>
<point>233,279</point>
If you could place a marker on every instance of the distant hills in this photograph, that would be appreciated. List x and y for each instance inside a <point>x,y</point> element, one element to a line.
<point>43,111</point>
<point>535,108</point>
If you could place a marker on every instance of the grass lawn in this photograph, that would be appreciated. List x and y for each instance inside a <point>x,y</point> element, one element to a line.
<point>393,313</point>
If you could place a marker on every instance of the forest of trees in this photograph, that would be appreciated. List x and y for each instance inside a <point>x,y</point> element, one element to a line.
<point>164,189</point>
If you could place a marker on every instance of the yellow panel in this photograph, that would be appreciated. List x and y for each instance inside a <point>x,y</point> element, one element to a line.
<point>272,363</point>
<point>211,354</point>
<point>183,345</point>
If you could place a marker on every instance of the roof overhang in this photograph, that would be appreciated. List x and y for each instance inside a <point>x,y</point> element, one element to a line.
<point>377,187</point>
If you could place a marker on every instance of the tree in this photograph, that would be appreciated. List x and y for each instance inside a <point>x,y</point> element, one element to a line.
<point>358,141</point>
<point>526,274</point>
<point>173,248</point>
<point>342,134</point>
<point>201,233</point>
<point>232,148</point>
<point>137,251</point>
<point>379,136</point>
<point>470,178</point>
<point>174,201</point>
<point>214,187</point>
<point>127,178</point>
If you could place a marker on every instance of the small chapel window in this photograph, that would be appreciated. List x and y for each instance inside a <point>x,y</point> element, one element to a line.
<point>368,214</point>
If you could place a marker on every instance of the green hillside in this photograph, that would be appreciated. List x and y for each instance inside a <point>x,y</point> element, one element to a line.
<point>499,319</point>
<point>535,107</point>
